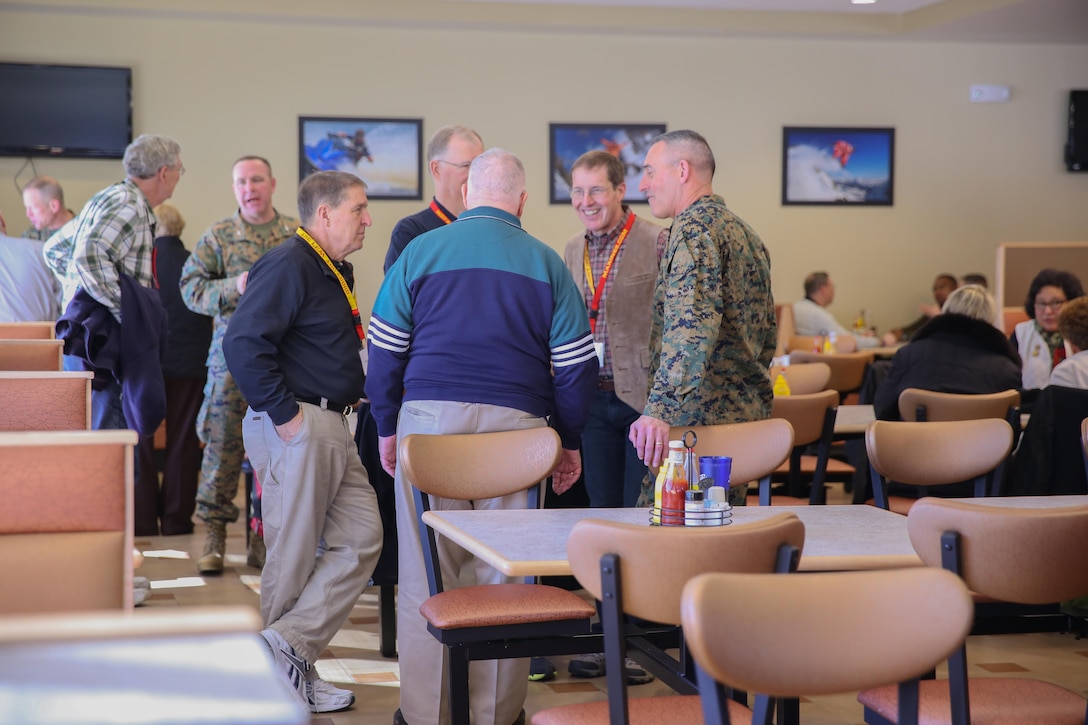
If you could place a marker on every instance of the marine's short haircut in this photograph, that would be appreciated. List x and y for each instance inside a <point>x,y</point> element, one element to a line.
<point>689,146</point>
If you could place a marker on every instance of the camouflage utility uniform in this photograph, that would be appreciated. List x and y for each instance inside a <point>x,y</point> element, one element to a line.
<point>714,329</point>
<point>209,285</point>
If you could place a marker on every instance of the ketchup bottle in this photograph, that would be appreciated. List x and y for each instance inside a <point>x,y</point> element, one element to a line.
<point>674,486</point>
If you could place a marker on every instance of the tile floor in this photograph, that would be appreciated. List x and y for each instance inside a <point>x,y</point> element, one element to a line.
<point>353,660</point>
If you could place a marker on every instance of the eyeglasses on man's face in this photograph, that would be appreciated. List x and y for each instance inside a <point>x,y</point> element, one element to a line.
<point>463,165</point>
<point>594,192</point>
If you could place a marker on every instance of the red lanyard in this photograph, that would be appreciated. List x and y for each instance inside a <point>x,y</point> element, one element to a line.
<point>598,289</point>
<point>355,317</point>
<point>439,213</point>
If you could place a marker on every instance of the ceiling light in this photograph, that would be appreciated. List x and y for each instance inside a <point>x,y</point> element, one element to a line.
<point>863,2</point>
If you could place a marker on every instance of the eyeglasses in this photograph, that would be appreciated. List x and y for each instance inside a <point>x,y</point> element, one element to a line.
<point>1051,305</point>
<point>462,165</point>
<point>181,169</point>
<point>595,192</point>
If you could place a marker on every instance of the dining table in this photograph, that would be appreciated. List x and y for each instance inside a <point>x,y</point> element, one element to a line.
<point>533,542</point>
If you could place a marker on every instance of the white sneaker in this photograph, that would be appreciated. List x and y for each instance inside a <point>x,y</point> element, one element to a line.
<point>289,665</point>
<point>324,696</point>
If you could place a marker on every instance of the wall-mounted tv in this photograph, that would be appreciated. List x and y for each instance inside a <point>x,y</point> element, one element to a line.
<point>65,110</point>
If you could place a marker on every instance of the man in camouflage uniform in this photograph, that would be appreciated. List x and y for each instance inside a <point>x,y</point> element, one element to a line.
<point>714,328</point>
<point>212,282</point>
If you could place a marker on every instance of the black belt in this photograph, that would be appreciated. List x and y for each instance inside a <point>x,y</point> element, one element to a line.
<point>344,409</point>
<point>608,385</point>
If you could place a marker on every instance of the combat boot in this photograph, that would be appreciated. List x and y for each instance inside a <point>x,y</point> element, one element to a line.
<point>215,544</point>
<point>255,555</point>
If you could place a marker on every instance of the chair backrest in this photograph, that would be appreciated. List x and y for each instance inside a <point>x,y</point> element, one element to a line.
<point>31,354</point>
<point>804,378</point>
<point>930,454</point>
<point>479,465</point>
<point>784,318</point>
<point>67,510</point>
<point>757,447</point>
<point>929,405</point>
<point>28,330</point>
<point>45,400</point>
<point>806,413</point>
<point>1021,555</point>
<point>656,561</point>
<point>847,369</point>
<point>789,651</point>
<point>1011,317</point>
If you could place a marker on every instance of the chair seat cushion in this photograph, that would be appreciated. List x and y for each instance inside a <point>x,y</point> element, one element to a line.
<point>993,701</point>
<point>498,604</point>
<point>642,710</point>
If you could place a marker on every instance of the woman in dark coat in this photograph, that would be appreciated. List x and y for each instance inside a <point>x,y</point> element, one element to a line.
<point>958,351</point>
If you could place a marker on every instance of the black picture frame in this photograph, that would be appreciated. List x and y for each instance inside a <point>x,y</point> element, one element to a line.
<point>568,141</point>
<point>838,166</point>
<point>386,153</point>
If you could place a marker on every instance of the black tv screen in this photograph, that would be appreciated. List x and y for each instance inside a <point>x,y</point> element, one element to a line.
<point>65,110</point>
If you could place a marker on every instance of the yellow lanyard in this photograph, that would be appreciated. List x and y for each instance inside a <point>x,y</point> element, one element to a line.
<point>355,317</point>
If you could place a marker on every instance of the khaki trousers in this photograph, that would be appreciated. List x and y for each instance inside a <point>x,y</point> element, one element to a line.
<point>497,688</point>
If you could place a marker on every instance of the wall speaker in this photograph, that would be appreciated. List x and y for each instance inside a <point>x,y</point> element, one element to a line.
<point>1076,143</point>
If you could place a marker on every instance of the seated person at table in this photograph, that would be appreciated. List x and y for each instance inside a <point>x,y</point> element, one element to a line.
<point>958,351</point>
<point>1072,372</point>
<point>942,287</point>
<point>810,315</point>
<point>1038,340</point>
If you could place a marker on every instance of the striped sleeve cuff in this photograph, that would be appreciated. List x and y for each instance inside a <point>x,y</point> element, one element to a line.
<point>573,353</point>
<point>387,337</point>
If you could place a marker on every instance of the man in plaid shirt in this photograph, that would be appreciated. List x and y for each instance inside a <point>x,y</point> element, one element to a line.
<point>115,235</point>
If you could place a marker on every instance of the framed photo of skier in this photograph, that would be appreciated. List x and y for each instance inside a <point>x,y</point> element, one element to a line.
<point>838,165</point>
<point>627,141</point>
<point>386,153</point>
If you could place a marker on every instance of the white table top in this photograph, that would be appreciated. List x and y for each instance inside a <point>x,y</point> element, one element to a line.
<point>534,542</point>
<point>212,678</point>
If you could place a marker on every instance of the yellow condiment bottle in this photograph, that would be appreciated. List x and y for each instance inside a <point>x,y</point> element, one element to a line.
<point>781,386</point>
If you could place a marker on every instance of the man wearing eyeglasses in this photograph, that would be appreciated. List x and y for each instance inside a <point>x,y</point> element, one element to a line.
<point>449,154</point>
<point>614,261</point>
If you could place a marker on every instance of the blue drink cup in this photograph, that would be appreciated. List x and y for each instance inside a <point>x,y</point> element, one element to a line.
<point>716,468</point>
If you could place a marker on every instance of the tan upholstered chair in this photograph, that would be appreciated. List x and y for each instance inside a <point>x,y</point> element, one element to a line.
<point>934,454</point>
<point>813,419</point>
<point>1027,556</point>
<point>847,369</point>
<point>641,571</point>
<point>916,404</point>
<point>494,621</point>
<point>757,448</point>
<point>27,330</point>
<point>67,510</point>
<point>804,378</point>
<point>31,354</point>
<point>45,400</point>
<point>906,622</point>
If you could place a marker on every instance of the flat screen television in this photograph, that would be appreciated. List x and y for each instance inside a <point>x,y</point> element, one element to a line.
<point>65,110</point>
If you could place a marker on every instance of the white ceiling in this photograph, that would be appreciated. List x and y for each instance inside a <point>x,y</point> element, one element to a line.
<point>887,7</point>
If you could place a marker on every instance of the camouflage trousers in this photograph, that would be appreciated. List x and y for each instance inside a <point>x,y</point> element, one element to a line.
<point>219,425</point>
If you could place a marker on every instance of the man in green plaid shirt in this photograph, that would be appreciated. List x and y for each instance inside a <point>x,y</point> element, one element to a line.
<point>115,235</point>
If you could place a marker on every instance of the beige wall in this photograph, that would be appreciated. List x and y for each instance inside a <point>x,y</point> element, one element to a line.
<point>968,176</point>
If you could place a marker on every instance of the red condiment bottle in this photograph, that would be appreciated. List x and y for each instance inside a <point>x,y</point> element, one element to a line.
<point>674,486</point>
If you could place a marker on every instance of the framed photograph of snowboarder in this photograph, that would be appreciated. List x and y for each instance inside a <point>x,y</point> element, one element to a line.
<point>627,141</point>
<point>834,165</point>
<point>386,153</point>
